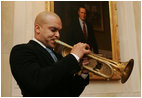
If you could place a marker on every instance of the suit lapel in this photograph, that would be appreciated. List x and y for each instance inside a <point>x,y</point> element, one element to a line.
<point>80,29</point>
<point>39,48</point>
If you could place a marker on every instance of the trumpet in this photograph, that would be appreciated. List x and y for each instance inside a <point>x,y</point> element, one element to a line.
<point>101,66</point>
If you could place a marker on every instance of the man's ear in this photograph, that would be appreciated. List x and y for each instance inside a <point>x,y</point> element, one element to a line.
<point>37,28</point>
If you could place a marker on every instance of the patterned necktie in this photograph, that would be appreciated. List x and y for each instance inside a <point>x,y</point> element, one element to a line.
<point>52,54</point>
<point>84,31</point>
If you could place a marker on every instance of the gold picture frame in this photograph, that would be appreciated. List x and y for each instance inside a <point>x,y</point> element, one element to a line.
<point>114,33</point>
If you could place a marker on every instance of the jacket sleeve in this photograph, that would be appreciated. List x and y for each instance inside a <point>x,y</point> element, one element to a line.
<point>29,74</point>
<point>79,84</point>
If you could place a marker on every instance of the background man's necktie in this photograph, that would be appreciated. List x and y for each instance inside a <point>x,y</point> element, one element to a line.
<point>52,54</point>
<point>84,31</point>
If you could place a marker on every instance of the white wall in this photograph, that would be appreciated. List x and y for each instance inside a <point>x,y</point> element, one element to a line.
<point>6,44</point>
<point>22,15</point>
<point>137,7</point>
<point>17,27</point>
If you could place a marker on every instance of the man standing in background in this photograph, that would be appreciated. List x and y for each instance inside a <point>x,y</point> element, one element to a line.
<point>81,31</point>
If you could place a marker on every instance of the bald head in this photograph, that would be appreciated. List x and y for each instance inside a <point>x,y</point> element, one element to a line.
<point>45,17</point>
<point>47,27</point>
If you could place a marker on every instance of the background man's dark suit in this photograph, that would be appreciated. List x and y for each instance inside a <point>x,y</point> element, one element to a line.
<point>38,75</point>
<point>75,35</point>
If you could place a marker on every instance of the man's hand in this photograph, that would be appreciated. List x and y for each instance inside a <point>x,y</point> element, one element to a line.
<point>80,49</point>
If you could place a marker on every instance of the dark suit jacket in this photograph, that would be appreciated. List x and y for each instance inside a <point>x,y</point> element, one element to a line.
<point>38,75</point>
<point>75,35</point>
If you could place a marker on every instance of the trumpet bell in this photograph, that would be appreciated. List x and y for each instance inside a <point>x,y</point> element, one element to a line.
<point>127,71</point>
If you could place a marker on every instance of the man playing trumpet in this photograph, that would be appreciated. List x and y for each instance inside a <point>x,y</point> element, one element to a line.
<point>39,71</point>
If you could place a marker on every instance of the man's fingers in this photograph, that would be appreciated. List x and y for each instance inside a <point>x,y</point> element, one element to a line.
<point>80,49</point>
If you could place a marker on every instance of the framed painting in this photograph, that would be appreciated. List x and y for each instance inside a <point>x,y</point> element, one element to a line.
<point>96,14</point>
<point>95,11</point>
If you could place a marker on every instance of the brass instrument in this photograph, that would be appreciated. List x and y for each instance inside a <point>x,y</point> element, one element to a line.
<point>106,66</point>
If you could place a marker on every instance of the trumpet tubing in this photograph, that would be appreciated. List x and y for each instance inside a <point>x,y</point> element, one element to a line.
<point>103,67</point>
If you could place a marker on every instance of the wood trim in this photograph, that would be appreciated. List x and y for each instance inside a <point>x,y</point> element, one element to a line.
<point>49,6</point>
<point>114,31</point>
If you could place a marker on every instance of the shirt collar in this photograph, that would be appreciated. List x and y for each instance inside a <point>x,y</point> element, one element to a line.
<point>34,39</point>
<point>48,49</point>
<point>81,21</point>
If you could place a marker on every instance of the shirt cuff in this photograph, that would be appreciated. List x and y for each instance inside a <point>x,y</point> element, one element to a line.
<point>84,76</point>
<point>77,58</point>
